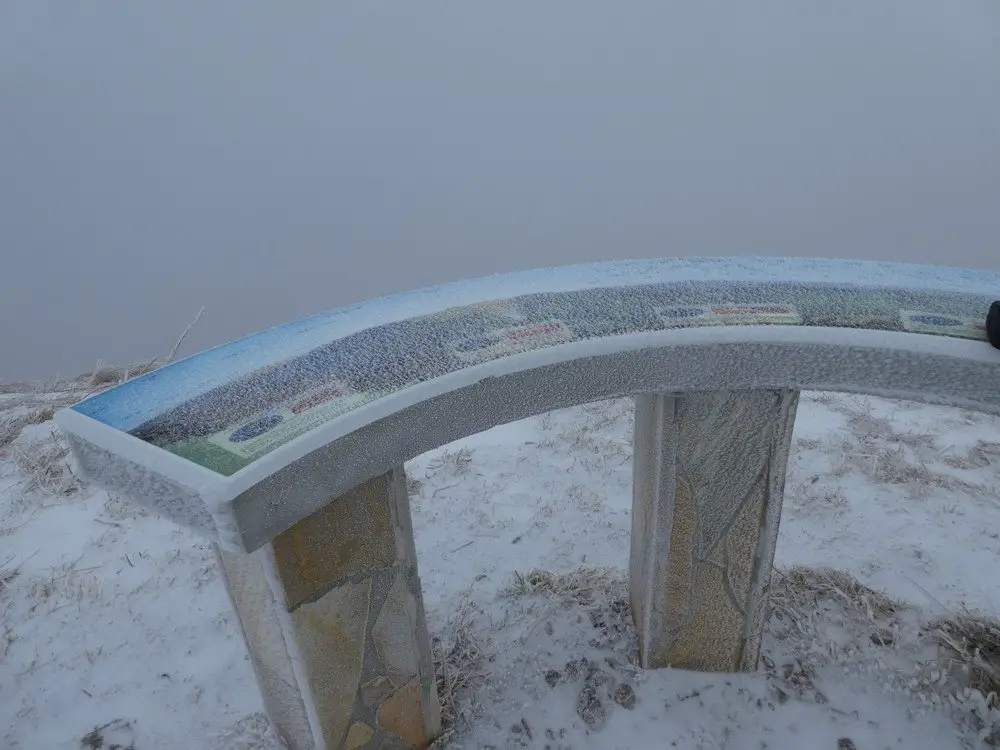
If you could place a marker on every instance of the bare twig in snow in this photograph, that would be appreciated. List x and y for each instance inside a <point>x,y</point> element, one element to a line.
<point>173,352</point>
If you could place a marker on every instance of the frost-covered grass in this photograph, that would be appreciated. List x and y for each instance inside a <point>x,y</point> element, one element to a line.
<point>115,628</point>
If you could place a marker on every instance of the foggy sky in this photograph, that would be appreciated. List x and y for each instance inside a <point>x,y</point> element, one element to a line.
<point>270,160</point>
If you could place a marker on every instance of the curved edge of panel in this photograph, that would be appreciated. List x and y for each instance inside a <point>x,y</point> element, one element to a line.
<point>271,496</point>
<point>339,359</point>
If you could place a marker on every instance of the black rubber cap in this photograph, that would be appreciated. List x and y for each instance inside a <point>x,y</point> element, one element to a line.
<point>993,324</point>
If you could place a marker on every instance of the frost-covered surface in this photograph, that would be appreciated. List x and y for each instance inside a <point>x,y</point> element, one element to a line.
<point>206,370</point>
<point>115,624</point>
<point>226,408</point>
<point>149,488</point>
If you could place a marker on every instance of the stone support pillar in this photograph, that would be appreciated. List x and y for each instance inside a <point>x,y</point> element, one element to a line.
<point>709,476</point>
<point>333,618</point>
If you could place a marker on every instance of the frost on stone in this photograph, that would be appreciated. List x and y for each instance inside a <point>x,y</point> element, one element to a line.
<point>230,406</point>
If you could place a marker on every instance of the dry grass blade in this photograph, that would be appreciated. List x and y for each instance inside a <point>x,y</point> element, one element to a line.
<point>106,376</point>
<point>192,324</point>
<point>8,573</point>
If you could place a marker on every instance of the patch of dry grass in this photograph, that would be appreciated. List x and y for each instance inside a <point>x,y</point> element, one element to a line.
<point>898,463</point>
<point>972,643</point>
<point>807,444</point>
<point>810,497</point>
<point>107,376</point>
<point>958,656</point>
<point>11,426</point>
<point>53,397</point>
<point>7,638</point>
<point>826,398</point>
<point>863,421</point>
<point>798,591</point>
<point>887,453</point>
<point>587,438</point>
<point>63,584</point>
<point>582,586</point>
<point>585,498</point>
<point>46,465</point>
<point>460,670</point>
<point>8,572</point>
<point>984,453</point>
<point>585,441</point>
<point>414,486</point>
<point>8,388</point>
<point>112,735</point>
<point>602,415</point>
<point>602,593</point>
<point>452,463</point>
<point>252,732</point>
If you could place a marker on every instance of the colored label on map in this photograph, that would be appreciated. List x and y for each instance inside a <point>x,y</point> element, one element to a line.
<point>506,341</point>
<point>943,324</point>
<point>735,314</point>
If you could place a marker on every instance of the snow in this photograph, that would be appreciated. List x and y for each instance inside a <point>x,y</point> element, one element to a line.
<point>115,624</point>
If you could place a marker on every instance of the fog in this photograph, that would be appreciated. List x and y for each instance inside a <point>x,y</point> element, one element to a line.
<point>271,160</point>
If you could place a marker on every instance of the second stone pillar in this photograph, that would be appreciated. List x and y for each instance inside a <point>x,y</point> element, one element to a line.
<point>709,476</point>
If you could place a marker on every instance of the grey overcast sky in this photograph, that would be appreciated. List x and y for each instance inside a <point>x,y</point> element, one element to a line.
<point>270,160</point>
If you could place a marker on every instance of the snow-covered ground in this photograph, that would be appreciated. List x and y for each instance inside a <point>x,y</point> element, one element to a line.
<point>115,630</point>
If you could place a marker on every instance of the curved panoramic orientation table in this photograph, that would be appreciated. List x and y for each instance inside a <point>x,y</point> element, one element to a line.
<point>287,447</point>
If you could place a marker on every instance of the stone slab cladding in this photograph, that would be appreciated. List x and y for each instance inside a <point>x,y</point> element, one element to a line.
<point>709,478</point>
<point>333,617</point>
